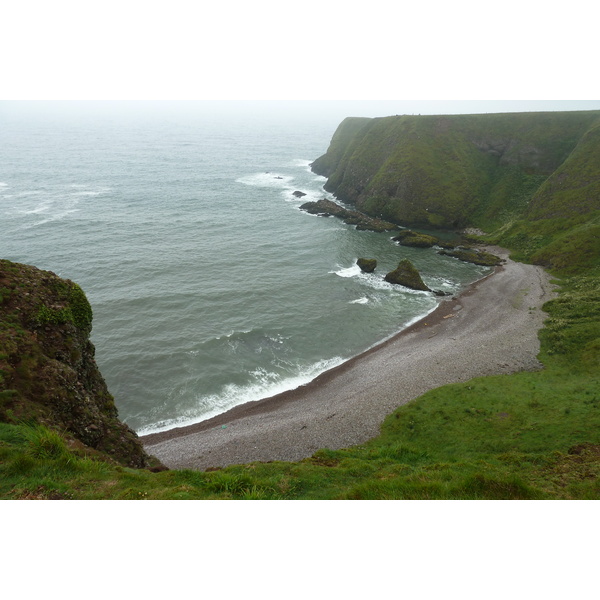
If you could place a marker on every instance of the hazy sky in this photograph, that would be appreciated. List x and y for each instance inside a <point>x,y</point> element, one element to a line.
<point>329,112</point>
<point>268,50</point>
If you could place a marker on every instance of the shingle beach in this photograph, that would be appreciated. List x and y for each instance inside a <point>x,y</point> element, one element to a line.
<point>492,328</point>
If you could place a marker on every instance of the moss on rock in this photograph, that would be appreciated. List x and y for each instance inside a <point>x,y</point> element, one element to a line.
<point>48,374</point>
<point>415,240</point>
<point>473,255</point>
<point>368,265</point>
<point>406,274</point>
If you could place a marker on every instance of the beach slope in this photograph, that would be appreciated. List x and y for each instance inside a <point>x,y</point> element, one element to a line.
<point>490,329</point>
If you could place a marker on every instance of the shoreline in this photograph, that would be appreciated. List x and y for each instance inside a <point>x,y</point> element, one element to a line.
<point>346,405</point>
<point>270,402</point>
<point>155,435</point>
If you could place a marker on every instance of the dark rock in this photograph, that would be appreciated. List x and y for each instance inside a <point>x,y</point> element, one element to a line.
<point>367,265</point>
<point>407,275</point>
<point>327,208</point>
<point>299,194</point>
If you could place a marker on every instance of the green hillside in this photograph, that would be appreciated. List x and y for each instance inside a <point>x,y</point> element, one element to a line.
<point>530,181</point>
<point>485,171</point>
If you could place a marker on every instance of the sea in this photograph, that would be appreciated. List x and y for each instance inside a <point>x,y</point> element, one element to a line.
<point>209,286</point>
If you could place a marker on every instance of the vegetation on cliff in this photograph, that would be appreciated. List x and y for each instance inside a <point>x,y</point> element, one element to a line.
<point>472,170</point>
<point>524,436</point>
<point>531,181</point>
<point>48,375</point>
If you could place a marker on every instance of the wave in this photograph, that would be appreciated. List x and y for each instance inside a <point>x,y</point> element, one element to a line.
<point>363,300</point>
<point>374,281</point>
<point>88,193</point>
<point>301,162</point>
<point>52,204</point>
<point>264,385</point>
<point>266,180</point>
<point>352,271</point>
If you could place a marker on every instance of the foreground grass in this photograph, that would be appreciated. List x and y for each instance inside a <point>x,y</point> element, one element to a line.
<point>523,436</point>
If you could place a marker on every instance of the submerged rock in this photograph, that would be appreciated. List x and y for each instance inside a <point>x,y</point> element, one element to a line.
<point>407,275</point>
<point>299,194</point>
<point>368,265</point>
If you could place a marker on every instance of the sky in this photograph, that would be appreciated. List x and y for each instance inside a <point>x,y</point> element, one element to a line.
<point>364,59</point>
<point>309,50</point>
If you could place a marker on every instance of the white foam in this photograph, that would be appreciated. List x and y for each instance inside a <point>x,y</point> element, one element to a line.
<point>87,193</point>
<point>42,207</point>
<point>266,180</point>
<point>363,300</point>
<point>29,193</point>
<point>2,184</point>
<point>301,162</point>
<point>265,385</point>
<point>352,271</point>
<point>309,195</point>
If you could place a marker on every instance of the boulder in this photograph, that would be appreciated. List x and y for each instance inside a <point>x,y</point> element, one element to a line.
<point>407,275</point>
<point>299,194</point>
<point>367,265</point>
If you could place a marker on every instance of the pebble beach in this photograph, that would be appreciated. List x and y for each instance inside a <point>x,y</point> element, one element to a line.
<point>492,328</point>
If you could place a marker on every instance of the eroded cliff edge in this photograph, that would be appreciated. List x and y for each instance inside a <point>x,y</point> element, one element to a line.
<point>48,373</point>
<point>455,171</point>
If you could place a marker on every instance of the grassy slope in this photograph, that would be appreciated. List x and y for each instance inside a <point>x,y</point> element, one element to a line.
<point>529,435</point>
<point>453,171</point>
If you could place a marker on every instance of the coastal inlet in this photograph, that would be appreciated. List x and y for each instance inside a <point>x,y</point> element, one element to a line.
<point>209,286</point>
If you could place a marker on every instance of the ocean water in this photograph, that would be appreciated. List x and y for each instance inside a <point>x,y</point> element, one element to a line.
<point>210,288</point>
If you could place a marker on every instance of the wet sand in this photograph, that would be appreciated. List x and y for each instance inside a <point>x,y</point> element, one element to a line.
<point>490,329</point>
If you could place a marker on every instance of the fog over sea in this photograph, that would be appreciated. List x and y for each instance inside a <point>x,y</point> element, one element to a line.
<point>209,286</point>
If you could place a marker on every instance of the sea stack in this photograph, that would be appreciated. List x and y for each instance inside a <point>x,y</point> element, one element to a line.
<point>407,275</point>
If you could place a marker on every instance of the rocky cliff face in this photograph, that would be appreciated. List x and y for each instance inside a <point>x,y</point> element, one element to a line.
<point>47,369</point>
<point>461,170</point>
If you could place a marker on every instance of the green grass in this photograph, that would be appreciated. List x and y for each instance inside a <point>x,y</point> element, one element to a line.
<point>531,435</point>
<point>460,170</point>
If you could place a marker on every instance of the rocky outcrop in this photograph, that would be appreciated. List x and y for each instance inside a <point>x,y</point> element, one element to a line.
<point>415,240</point>
<point>367,265</point>
<point>327,208</point>
<point>48,374</point>
<point>298,194</point>
<point>473,255</point>
<point>407,275</point>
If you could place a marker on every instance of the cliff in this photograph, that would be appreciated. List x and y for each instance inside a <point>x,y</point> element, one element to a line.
<point>456,171</point>
<point>48,374</point>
